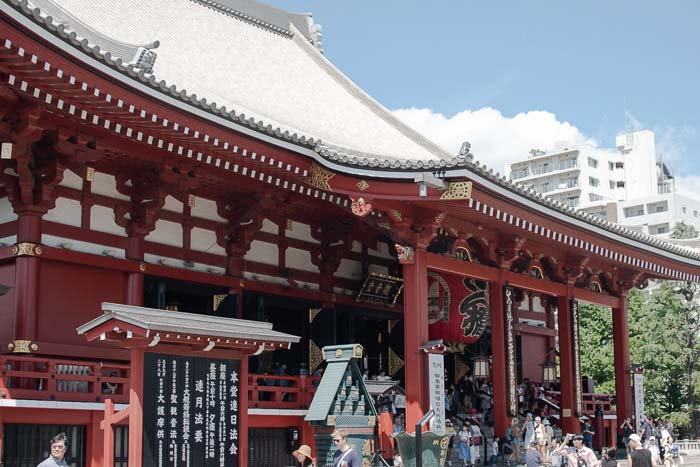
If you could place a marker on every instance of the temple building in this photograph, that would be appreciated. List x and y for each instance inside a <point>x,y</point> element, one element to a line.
<point>192,182</point>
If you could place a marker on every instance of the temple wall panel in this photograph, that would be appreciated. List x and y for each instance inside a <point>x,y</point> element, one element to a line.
<point>270,227</point>
<point>7,322</point>
<point>63,307</point>
<point>172,204</point>
<point>102,220</point>
<point>265,278</point>
<point>263,252</point>
<point>205,209</point>
<point>78,245</point>
<point>67,211</point>
<point>71,180</point>
<point>349,269</point>
<point>382,251</point>
<point>534,351</point>
<point>164,260</point>
<point>308,285</point>
<point>6,212</point>
<point>300,231</point>
<point>167,233</point>
<point>356,247</point>
<point>106,185</point>
<point>537,305</point>
<point>205,240</point>
<point>299,259</point>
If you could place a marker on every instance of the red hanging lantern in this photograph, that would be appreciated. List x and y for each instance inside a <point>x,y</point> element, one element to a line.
<point>458,308</point>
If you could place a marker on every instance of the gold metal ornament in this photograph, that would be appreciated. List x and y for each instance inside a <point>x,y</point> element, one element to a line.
<point>395,362</point>
<point>27,249</point>
<point>457,190</point>
<point>319,177</point>
<point>22,346</point>
<point>315,356</point>
<point>313,312</point>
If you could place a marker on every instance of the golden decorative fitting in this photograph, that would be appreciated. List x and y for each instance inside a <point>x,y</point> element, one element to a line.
<point>319,177</point>
<point>463,254</point>
<point>191,200</point>
<point>90,174</point>
<point>315,356</point>
<point>142,267</point>
<point>290,225</point>
<point>367,446</point>
<point>395,362</point>
<point>396,213</point>
<point>362,185</point>
<point>461,369</point>
<point>313,312</point>
<point>360,207</point>
<point>22,346</point>
<point>371,420</point>
<point>330,420</point>
<point>457,190</point>
<point>440,217</point>
<point>27,249</point>
<point>217,299</point>
<point>357,351</point>
<point>391,324</point>
<point>338,353</point>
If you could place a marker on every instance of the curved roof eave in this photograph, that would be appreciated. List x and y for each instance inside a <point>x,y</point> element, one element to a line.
<point>325,155</point>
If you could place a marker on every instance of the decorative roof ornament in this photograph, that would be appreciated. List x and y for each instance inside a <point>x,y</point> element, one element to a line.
<point>464,151</point>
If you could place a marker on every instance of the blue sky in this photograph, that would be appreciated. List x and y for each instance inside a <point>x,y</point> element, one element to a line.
<point>580,64</point>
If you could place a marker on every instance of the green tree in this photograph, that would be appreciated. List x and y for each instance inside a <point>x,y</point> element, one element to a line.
<point>597,352</point>
<point>681,230</point>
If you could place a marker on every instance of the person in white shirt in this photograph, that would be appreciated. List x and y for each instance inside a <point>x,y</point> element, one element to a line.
<point>494,450</point>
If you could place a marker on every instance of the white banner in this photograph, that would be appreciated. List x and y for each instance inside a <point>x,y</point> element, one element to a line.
<point>638,382</point>
<point>436,371</point>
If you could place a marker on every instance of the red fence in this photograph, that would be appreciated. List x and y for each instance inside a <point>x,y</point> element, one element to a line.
<point>37,378</point>
<point>63,380</point>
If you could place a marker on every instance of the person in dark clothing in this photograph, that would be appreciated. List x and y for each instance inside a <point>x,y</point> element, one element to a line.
<point>609,458</point>
<point>638,456</point>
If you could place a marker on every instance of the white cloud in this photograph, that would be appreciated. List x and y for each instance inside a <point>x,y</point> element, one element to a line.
<point>671,142</point>
<point>496,140</point>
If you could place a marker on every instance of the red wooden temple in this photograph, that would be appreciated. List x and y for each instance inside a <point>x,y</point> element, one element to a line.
<point>205,157</point>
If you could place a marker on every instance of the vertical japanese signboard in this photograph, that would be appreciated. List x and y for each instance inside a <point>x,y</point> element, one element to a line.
<point>511,370</point>
<point>576,351</point>
<point>638,383</point>
<point>436,363</point>
<point>190,411</point>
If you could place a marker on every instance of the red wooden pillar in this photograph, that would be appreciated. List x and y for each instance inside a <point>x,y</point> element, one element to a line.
<point>26,287</point>
<point>243,413</point>
<point>134,280</point>
<point>95,440</point>
<point>569,422</point>
<point>415,305</point>
<point>307,437</point>
<point>621,345</point>
<point>136,408</point>
<point>501,420</point>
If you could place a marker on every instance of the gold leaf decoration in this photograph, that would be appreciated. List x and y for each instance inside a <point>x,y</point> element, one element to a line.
<point>315,356</point>
<point>457,190</point>
<point>395,363</point>
<point>313,312</point>
<point>362,185</point>
<point>319,177</point>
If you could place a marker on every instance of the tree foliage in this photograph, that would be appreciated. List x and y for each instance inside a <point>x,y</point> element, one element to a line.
<point>682,230</point>
<point>664,326</point>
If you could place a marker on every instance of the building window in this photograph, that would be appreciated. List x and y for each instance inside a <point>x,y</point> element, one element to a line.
<point>567,164</point>
<point>619,165</point>
<point>620,184</point>
<point>634,211</point>
<point>592,181</point>
<point>519,173</point>
<point>594,197</point>
<point>592,163</point>
<point>612,185</point>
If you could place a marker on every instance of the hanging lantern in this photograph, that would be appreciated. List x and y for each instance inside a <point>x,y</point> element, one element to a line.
<point>549,372</point>
<point>458,308</point>
<point>482,367</point>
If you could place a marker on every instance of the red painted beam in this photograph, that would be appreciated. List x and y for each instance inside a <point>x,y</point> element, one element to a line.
<point>449,265</point>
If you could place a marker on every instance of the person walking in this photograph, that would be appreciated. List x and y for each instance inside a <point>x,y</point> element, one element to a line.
<point>517,440</point>
<point>638,456</point>
<point>303,456</point>
<point>579,455</point>
<point>627,431</point>
<point>59,444</point>
<point>476,441</point>
<point>344,456</point>
<point>464,452</point>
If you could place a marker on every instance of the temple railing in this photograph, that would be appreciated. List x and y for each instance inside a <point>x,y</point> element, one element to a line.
<point>51,379</point>
<point>281,392</point>
<point>590,401</point>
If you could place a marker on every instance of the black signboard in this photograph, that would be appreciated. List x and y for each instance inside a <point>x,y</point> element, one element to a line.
<point>190,411</point>
<point>380,288</point>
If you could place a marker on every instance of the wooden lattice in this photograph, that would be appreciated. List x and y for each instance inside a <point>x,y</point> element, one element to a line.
<point>315,356</point>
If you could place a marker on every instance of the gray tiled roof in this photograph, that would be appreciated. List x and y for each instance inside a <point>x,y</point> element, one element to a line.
<point>153,319</point>
<point>325,394</point>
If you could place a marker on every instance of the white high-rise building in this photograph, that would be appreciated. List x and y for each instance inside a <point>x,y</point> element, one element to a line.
<point>630,185</point>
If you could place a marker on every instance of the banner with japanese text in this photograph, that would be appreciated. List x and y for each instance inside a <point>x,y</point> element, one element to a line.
<point>190,411</point>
